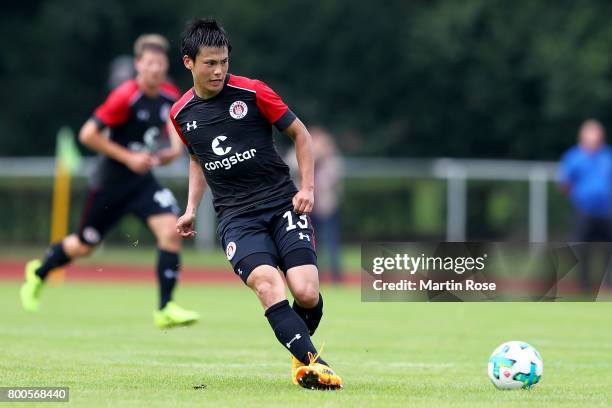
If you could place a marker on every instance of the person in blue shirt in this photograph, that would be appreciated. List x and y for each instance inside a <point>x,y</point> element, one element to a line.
<point>585,174</point>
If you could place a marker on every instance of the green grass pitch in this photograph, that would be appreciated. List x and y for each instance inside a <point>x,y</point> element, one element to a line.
<point>99,341</point>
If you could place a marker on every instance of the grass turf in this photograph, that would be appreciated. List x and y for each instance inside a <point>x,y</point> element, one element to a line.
<point>99,341</point>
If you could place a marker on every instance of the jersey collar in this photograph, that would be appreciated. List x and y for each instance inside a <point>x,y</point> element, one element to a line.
<point>196,97</point>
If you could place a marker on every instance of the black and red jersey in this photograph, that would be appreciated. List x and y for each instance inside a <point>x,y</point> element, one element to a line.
<point>231,136</point>
<point>135,121</point>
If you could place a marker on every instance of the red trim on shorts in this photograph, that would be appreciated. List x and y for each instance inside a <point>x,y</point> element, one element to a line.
<point>88,203</point>
<point>314,239</point>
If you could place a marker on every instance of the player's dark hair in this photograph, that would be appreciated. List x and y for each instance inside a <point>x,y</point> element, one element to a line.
<point>203,33</point>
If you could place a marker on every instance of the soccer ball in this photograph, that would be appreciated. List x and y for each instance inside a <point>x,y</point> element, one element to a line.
<point>515,364</point>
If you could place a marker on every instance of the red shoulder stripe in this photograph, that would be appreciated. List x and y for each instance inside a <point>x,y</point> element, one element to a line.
<point>116,108</point>
<point>170,90</point>
<point>269,102</point>
<point>180,104</point>
<point>176,109</point>
<point>241,82</point>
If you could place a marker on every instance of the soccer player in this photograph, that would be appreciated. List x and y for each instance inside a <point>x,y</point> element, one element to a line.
<point>585,174</point>
<point>226,123</point>
<point>136,116</point>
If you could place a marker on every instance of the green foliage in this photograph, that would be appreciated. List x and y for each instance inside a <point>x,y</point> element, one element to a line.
<point>474,78</point>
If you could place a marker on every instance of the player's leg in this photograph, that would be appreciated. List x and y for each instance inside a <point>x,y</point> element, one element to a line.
<point>303,282</point>
<point>157,207</point>
<point>62,253</point>
<point>327,229</point>
<point>58,255</point>
<point>163,227</point>
<point>294,237</point>
<point>290,330</point>
<point>253,255</point>
<point>295,240</point>
<point>583,234</point>
<point>99,215</point>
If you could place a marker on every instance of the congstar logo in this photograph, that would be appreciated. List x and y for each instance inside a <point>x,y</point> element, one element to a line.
<point>218,150</point>
<point>229,161</point>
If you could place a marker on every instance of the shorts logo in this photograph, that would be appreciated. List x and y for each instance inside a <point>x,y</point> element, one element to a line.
<point>91,235</point>
<point>166,199</point>
<point>220,151</point>
<point>238,110</point>
<point>230,251</point>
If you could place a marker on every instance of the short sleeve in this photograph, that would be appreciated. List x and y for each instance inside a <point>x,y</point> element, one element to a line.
<point>272,107</point>
<point>115,110</point>
<point>179,131</point>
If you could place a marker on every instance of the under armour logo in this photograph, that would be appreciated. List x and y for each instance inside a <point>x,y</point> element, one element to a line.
<point>304,236</point>
<point>239,271</point>
<point>191,126</point>
<point>296,337</point>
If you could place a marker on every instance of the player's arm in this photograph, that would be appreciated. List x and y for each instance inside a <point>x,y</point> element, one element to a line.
<point>169,154</point>
<point>565,174</point>
<point>304,199</point>
<point>91,135</point>
<point>113,112</point>
<point>278,113</point>
<point>197,187</point>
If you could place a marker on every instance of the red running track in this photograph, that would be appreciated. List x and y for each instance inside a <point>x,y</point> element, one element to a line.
<point>13,270</point>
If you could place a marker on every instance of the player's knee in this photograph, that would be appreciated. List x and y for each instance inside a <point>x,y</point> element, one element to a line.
<point>264,289</point>
<point>268,289</point>
<point>307,295</point>
<point>84,249</point>
<point>74,247</point>
<point>169,240</point>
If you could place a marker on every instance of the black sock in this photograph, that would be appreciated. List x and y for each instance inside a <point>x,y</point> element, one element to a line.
<point>167,275</point>
<point>54,258</point>
<point>291,331</point>
<point>312,316</point>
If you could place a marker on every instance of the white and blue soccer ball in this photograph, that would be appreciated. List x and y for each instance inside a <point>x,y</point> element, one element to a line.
<point>515,364</point>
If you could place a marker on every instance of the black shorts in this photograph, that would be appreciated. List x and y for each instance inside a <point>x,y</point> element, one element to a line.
<point>270,234</point>
<point>104,208</point>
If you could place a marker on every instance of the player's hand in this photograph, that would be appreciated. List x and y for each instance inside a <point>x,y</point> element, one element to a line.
<point>185,224</point>
<point>303,201</point>
<point>166,156</point>
<point>141,162</point>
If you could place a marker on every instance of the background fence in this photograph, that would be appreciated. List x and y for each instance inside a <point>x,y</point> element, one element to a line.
<point>383,199</point>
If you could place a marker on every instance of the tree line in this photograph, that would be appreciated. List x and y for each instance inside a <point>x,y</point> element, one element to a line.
<point>422,78</point>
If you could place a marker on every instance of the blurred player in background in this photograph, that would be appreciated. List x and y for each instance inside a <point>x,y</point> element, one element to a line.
<point>135,116</point>
<point>226,122</point>
<point>328,189</point>
<point>585,174</point>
